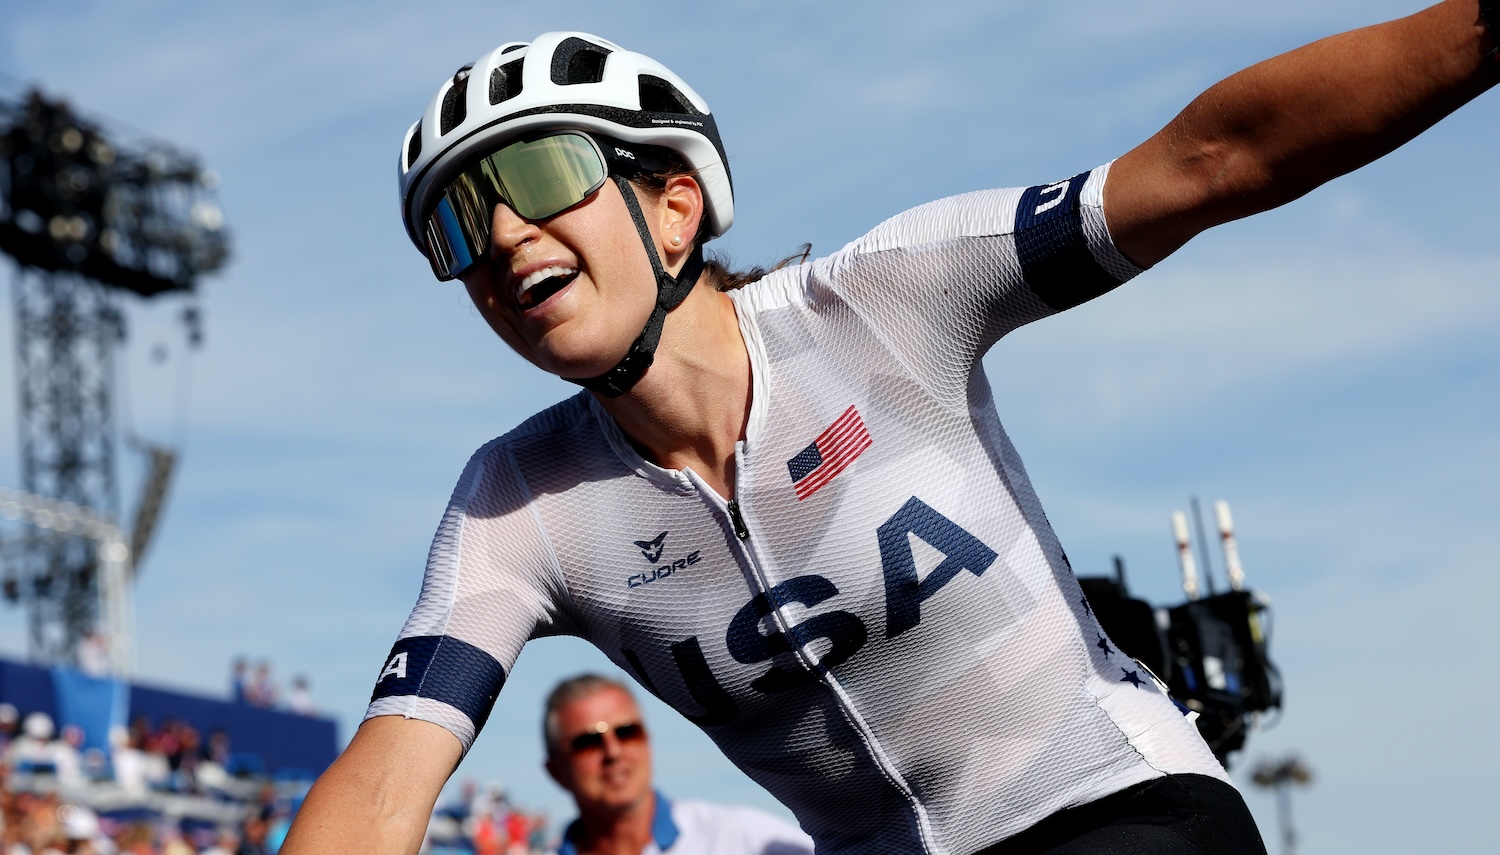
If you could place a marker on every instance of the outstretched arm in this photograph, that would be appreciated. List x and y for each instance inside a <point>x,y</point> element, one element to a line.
<point>1276,130</point>
<point>377,797</point>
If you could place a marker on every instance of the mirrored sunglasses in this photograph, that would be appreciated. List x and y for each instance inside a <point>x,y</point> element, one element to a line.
<point>538,177</point>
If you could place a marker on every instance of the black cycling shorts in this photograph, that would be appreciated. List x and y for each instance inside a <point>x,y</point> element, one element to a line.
<point>1174,815</point>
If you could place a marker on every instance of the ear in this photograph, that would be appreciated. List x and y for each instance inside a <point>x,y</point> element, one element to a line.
<point>556,771</point>
<point>680,213</point>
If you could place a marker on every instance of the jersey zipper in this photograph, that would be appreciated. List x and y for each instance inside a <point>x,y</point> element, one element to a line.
<point>740,529</point>
<point>784,626</point>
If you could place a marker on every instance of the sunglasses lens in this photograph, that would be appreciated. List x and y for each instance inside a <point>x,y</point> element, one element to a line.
<point>586,742</point>
<point>594,740</point>
<point>458,232</point>
<point>546,176</point>
<point>537,178</point>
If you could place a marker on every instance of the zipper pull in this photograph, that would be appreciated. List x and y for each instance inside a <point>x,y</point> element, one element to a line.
<point>740,530</point>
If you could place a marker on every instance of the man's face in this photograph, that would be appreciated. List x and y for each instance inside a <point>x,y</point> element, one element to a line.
<point>603,756</point>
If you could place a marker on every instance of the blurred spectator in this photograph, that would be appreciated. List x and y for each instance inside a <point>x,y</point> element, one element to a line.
<point>253,841</point>
<point>41,828</point>
<point>137,839</point>
<point>517,832</point>
<point>174,844</point>
<point>140,733</point>
<point>218,748</point>
<point>261,691</point>
<point>487,800</point>
<point>458,809</point>
<point>93,655</point>
<point>299,697</point>
<point>67,757</point>
<point>81,832</point>
<point>183,755</point>
<point>35,752</point>
<point>239,681</point>
<point>10,722</point>
<point>158,773</point>
<point>598,749</point>
<point>227,842</point>
<point>129,761</point>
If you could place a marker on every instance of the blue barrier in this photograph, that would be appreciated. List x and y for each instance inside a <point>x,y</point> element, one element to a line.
<point>280,740</point>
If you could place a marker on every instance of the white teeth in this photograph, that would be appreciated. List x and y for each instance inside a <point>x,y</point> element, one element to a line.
<point>542,275</point>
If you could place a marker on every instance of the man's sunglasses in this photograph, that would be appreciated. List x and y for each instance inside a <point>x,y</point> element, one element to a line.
<point>538,176</point>
<point>593,739</point>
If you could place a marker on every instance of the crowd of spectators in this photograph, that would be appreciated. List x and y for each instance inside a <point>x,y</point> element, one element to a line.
<point>484,821</point>
<point>158,791</point>
<point>164,789</point>
<point>259,689</point>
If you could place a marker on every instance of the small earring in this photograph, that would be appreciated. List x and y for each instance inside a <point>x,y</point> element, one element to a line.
<point>677,240</point>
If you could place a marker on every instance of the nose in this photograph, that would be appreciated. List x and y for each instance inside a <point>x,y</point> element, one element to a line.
<point>612,746</point>
<point>509,233</point>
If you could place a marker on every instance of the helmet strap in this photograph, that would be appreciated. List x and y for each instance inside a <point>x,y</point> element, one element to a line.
<point>670,292</point>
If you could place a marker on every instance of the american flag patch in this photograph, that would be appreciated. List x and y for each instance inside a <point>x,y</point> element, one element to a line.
<point>829,454</point>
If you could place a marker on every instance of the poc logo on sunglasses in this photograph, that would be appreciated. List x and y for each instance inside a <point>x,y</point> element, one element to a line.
<point>623,153</point>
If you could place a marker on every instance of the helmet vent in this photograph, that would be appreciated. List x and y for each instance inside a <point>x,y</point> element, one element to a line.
<point>577,61</point>
<point>659,96</point>
<point>505,81</point>
<point>454,106</point>
<point>508,48</point>
<point>414,145</point>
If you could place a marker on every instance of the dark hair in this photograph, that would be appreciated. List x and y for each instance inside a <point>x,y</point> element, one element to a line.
<point>717,267</point>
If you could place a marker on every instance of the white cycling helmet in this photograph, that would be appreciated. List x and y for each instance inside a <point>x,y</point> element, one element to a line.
<point>561,80</point>
<point>574,84</point>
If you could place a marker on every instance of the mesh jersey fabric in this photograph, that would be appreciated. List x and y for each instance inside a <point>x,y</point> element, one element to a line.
<point>898,650</point>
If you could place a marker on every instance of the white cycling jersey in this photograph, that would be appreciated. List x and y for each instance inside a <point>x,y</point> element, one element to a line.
<point>881,628</point>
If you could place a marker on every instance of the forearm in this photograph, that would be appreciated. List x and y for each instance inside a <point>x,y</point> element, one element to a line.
<point>1276,130</point>
<point>378,796</point>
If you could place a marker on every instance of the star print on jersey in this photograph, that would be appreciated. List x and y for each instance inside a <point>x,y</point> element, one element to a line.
<point>1087,609</point>
<point>829,454</point>
<point>1103,645</point>
<point>1132,677</point>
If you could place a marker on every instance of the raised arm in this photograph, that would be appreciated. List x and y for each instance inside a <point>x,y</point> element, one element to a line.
<point>1276,130</point>
<point>378,795</point>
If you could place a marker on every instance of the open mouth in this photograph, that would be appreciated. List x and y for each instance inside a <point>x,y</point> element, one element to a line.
<point>537,287</point>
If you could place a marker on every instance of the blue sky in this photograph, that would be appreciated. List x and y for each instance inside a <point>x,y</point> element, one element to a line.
<point>1328,368</point>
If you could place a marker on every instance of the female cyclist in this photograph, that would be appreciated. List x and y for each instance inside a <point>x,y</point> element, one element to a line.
<point>789,509</point>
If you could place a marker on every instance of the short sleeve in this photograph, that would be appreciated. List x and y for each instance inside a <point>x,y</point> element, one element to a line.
<point>942,282</point>
<point>491,584</point>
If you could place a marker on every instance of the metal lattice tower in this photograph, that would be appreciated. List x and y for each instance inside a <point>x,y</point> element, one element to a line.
<point>66,328</point>
<point>85,221</point>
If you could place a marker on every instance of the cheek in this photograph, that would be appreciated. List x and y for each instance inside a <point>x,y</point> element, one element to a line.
<point>481,293</point>
<point>487,303</point>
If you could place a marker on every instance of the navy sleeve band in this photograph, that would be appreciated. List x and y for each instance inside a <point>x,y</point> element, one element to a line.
<point>445,669</point>
<point>1052,246</point>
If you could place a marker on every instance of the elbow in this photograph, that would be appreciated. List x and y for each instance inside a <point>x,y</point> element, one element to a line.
<point>1180,183</point>
<point>1219,181</point>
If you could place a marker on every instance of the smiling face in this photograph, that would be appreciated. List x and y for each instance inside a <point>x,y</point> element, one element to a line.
<point>569,293</point>
<point>608,775</point>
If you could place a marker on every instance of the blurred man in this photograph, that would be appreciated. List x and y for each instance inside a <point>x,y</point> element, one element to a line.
<point>598,750</point>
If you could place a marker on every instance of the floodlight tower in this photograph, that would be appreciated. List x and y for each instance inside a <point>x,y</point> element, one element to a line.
<point>86,221</point>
